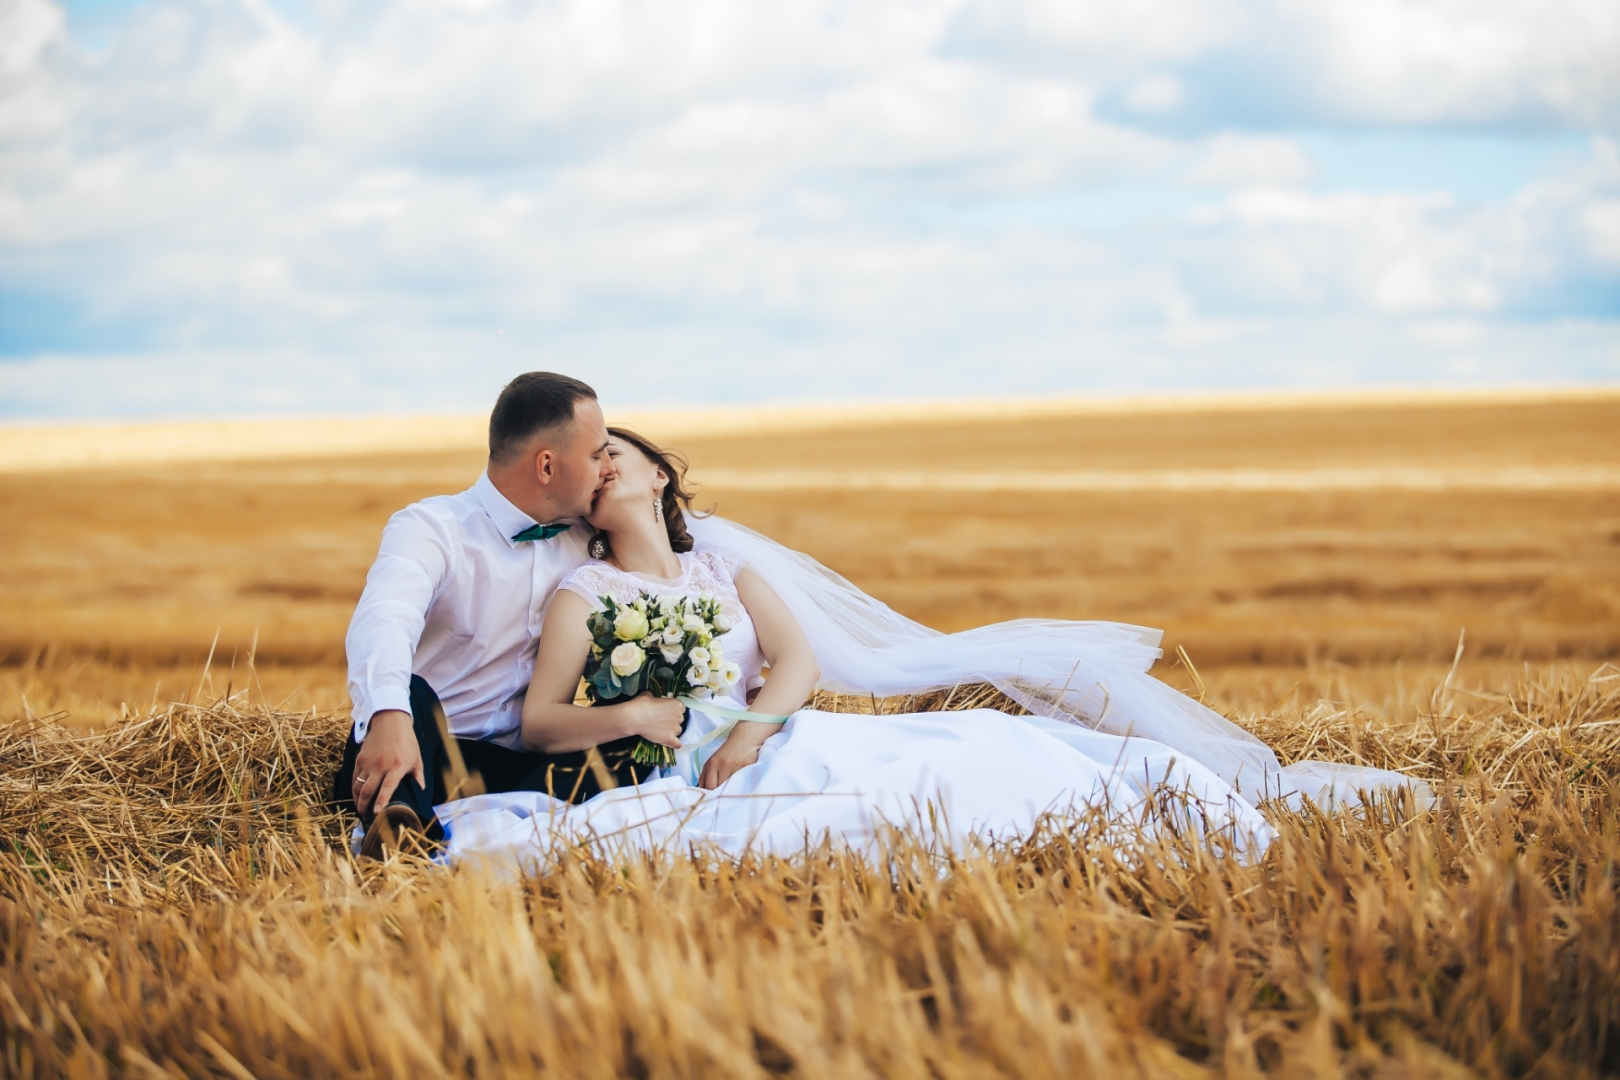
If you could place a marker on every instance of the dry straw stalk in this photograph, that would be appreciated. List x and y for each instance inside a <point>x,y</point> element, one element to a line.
<point>175,900</point>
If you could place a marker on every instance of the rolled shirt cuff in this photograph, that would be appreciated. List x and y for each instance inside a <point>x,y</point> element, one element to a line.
<point>382,699</point>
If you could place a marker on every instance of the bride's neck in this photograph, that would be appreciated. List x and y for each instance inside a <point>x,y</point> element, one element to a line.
<point>644,549</point>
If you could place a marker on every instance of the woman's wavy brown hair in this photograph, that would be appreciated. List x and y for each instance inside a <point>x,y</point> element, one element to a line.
<point>677,495</point>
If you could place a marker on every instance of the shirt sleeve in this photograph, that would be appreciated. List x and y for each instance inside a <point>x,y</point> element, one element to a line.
<point>415,558</point>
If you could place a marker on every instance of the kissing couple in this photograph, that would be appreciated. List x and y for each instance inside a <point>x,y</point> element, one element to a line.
<point>577,555</point>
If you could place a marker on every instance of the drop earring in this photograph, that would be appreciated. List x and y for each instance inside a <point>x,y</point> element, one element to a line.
<point>598,547</point>
<point>658,508</point>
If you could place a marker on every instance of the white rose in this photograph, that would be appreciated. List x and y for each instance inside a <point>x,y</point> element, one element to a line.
<point>700,656</point>
<point>671,652</point>
<point>673,633</point>
<point>723,623</point>
<point>697,675</point>
<point>730,673</point>
<point>631,625</point>
<point>627,659</point>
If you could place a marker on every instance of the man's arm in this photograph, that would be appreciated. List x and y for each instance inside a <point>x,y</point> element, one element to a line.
<point>413,561</point>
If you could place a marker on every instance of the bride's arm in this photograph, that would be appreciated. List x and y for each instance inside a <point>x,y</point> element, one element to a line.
<point>552,723</point>
<point>794,673</point>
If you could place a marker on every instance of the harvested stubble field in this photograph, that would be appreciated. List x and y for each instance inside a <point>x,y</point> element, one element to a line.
<point>175,899</point>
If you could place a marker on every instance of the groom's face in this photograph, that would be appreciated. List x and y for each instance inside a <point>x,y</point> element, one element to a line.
<point>582,464</point>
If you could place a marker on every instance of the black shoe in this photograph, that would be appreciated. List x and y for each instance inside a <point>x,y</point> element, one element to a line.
<point>395,827</point>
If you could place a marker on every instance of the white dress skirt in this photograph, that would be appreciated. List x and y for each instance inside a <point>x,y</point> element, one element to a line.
<point>956,779</point>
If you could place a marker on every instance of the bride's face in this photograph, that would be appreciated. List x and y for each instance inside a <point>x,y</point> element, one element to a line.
<point>636,482</point>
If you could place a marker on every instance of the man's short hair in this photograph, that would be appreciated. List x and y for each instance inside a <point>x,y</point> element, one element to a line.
<point>532,403</point>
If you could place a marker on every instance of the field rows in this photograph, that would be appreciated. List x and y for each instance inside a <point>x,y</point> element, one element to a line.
<point>176,898</point>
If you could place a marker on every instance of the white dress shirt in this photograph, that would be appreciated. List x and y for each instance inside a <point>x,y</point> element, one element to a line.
<point>455,600</point>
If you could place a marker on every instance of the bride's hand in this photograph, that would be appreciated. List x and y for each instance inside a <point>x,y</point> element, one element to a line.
<point>656,719</point>
<point>726,760</point>
<point>740,750</point>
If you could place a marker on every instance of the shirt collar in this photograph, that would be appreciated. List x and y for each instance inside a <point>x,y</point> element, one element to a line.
<point>507,518</point>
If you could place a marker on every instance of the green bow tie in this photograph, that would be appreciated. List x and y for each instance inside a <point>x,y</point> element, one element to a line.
<point>541,532</point>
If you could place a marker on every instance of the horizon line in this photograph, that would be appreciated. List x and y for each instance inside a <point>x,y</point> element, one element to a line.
<point>57,445</point>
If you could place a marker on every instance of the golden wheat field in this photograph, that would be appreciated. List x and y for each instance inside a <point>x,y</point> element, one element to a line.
<point>176,899</point>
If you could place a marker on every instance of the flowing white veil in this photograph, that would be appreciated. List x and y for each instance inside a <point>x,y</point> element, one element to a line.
<point>1088,673</point>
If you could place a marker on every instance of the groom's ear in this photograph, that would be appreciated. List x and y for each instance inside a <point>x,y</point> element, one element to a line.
<point>544,465</point>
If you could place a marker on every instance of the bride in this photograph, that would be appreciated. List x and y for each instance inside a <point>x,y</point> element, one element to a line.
<point>753,769</point>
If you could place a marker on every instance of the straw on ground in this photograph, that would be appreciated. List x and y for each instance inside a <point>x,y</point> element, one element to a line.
<point>176,900</point>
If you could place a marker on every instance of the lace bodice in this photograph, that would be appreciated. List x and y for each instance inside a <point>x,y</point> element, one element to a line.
<point>702,572</point>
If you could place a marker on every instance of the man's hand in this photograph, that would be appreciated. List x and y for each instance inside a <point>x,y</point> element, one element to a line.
<point>388,755</point>
<point>656,719</point>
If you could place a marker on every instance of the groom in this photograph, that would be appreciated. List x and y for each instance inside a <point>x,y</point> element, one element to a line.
<point>445,631</point>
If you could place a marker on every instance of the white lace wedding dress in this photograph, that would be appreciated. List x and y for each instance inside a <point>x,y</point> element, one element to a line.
<point>953,776</point>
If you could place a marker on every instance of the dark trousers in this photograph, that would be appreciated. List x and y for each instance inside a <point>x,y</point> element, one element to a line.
<point>567,776</point>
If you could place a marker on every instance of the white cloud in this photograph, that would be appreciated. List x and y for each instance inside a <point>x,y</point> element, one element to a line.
<point>1233,160</point>
<point>1456,60</point>
<point>1113,34</point>
<point>1601,219</point>
<point>818,207</point>
<point>1449,333</point>
<point>27,29</point>
<point>1154,94</point>
<point>803,191</point>
<point>1379,61</point>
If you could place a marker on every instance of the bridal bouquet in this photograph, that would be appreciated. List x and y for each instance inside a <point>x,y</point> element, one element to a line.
<point>667,647</point>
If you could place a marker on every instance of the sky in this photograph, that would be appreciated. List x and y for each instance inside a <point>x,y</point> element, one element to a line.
<point>216,207</point>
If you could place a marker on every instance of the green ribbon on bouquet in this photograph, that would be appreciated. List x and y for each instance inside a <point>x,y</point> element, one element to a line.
<point>734,715</point>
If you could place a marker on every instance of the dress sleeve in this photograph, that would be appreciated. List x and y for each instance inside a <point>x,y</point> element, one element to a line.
<point>589,582</point>
<point>415,558</point>
<point>725,564</point>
